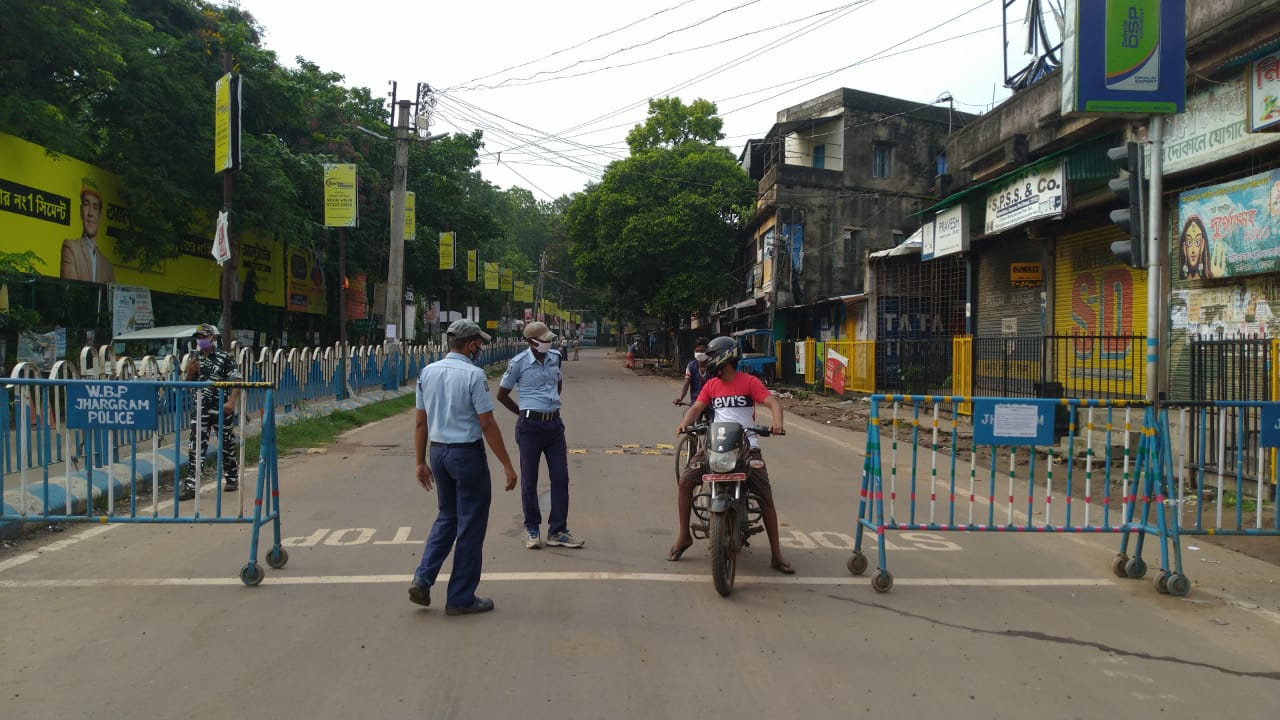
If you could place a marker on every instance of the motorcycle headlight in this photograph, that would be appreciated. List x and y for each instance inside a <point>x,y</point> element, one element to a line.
<point>722,462</point>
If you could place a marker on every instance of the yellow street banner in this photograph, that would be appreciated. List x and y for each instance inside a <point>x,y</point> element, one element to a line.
<point>491,324</point>
<point>490,276</point>
<point>340,197</point>
<point>472,260</point>
<point>521,288</point>
<point>71,214</point>
<point>410,217</point>
<point>226,123</point>
<point>446,252</point>
<point>507,280</point>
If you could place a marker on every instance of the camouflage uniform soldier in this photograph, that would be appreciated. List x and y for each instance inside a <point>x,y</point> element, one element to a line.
<point>213,365</point>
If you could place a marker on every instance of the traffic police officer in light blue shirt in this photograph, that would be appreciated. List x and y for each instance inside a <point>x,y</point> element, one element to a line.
<point>535,375</point>
<point>454,411</point>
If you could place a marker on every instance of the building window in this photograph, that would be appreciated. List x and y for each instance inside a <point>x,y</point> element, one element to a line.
<point>942,162</point>
<point>851,250</point>
<point>881,157</point>
<point>819,156</point>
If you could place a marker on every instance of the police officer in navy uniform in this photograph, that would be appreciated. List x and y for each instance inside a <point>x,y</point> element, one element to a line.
<point>535,374</point>
<point>454,410</point>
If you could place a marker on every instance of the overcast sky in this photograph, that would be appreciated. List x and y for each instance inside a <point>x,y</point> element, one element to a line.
<point>556,84</point>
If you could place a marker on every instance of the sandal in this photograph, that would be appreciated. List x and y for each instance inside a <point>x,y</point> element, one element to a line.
<point>675,553</point>
<point>784,567</point>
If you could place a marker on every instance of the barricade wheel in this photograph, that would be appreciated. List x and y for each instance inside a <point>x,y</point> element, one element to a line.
<point>1136,568</point>
<point>857,563</point>
<point>1118,566</point>
<point>252,574</point>
<point>1179,584</point>
<point>1162,582</point>
<point>277,557</point>
<point>882,581</point>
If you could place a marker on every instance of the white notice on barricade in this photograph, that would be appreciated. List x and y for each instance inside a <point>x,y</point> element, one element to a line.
<point>1017,421</point>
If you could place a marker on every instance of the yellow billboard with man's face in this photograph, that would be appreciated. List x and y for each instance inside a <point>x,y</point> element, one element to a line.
<point>71,214</point>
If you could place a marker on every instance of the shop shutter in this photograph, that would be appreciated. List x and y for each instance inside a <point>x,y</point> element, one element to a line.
<point>1099,298</point>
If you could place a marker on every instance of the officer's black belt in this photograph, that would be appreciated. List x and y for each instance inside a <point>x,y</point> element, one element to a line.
<point>535,415</point>
<point>472,444</point>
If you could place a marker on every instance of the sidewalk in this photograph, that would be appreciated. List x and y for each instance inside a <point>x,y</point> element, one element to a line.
<point>138,467</point>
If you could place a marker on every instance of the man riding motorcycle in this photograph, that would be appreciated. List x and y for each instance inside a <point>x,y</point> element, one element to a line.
<point>733,396</point>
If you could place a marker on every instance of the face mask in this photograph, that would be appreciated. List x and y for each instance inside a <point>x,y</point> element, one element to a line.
<point>475,355</point>
<point>204,343</point>
<point>542,347</point>
<point>700,357</point>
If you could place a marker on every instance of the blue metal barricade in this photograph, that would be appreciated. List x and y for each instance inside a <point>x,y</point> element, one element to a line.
<point>954,483</point>
<point>1223,460</point>
<point>112,451</point>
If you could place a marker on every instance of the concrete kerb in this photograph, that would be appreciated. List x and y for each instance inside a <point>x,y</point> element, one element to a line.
<point>138,468</point>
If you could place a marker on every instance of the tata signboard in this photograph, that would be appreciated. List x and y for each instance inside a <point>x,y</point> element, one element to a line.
<point>1124,57</point>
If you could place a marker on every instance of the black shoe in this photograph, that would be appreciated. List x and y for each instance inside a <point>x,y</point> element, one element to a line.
<point>188,490</point>
<point>478,606</point>
<point>230,485</point>
<point>420,592</point>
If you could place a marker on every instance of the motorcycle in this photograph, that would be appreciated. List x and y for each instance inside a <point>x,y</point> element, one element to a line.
<point>726,512</point>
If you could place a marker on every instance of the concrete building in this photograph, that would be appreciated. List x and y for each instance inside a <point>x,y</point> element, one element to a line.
<point>841,175</point>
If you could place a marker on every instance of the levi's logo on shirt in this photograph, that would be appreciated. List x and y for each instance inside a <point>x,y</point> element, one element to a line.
<point>731,401</point>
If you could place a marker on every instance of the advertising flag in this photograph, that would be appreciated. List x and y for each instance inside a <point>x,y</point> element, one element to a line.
<point>226,123</point>
<point>490,276</point>
<point>340,203</point>
<point>446,251</point>
<point>507,280</point>
<point>472,262</point>
<point>410,217</point>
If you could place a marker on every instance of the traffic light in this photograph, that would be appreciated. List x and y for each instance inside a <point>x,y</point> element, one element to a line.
<point>1129,188</point>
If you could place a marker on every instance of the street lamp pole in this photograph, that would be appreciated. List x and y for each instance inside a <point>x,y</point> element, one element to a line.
<point>394,315</point>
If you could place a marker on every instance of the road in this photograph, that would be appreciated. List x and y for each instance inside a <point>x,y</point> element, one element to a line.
<point>133,621</point>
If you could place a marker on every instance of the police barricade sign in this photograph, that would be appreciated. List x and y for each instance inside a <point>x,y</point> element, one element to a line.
<point>1012,422</point>
<point>119,406</point>
<point>1271,425</point>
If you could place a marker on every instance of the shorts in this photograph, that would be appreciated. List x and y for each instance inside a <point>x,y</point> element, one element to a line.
<point>757,478</point>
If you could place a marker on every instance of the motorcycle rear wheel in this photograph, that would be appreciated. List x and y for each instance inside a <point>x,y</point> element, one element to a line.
<point>724,549</point>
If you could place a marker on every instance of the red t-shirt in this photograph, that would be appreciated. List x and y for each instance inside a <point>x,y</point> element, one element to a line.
<point>735,401</point>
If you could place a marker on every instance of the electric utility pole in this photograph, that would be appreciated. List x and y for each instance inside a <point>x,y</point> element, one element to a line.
<point>394,315</point>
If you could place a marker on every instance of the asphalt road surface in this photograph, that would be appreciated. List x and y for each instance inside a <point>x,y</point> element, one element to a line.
<point>114,621</point>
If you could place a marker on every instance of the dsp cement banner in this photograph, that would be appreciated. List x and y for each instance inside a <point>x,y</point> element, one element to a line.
<point>1231,229</point>
<point>70,215</point>
<point>1124,56</point>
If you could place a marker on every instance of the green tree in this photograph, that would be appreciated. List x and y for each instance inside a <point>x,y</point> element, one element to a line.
<point>659,233</point>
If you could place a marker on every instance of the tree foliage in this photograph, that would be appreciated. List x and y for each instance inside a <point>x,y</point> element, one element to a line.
<point>659,232</point>
<point>128,85</point>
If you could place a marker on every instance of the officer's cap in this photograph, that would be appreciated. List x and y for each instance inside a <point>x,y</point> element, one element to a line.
<point>463,329</point>
<point>539,331</point>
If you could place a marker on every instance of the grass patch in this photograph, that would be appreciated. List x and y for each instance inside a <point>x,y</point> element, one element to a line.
<point>318,431</point>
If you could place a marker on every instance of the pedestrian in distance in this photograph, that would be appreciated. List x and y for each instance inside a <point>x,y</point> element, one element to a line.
<point>454,412</point>
<point>695,373</point>
<point>213,365</point>
<point>535,375</point>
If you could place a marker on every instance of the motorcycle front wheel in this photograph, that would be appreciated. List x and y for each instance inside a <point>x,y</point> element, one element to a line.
<point>724,549</point>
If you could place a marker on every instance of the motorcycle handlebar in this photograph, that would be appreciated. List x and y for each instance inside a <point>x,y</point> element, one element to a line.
<point>702,428</point>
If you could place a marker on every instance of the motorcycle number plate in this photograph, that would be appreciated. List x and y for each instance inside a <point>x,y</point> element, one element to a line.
<point>726,477</point>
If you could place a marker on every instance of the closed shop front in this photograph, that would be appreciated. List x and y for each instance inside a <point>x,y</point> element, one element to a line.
<point>1009,317</point>
<point>1098,348</point>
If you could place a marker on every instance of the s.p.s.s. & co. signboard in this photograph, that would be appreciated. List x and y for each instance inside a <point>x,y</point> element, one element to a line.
<point>1033,194</point>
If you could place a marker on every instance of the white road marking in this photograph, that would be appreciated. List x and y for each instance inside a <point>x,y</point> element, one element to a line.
<point>556,577</point>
